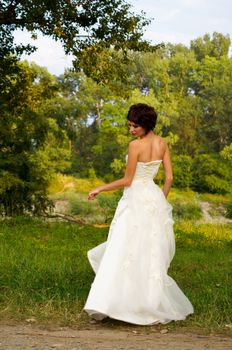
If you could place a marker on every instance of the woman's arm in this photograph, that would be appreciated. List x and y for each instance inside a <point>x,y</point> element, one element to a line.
<point>168,172</point>
<point>129,173</point>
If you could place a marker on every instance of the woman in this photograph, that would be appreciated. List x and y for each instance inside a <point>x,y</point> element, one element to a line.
<point>131,282</point>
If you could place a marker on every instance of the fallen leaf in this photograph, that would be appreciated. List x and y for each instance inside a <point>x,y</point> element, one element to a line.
<point>31,320</point>
<point>164,331</point>
<point>229,325</point>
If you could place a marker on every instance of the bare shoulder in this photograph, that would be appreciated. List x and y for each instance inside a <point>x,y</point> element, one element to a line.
<point>135,144</point>
<point>161,142</point>
<point>134,149</point>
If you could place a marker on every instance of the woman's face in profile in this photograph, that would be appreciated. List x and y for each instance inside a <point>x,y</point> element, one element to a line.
<point>135,129</point>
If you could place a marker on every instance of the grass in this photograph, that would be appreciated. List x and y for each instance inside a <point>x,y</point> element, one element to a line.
<point>44,272</point>
<point>203,263</point>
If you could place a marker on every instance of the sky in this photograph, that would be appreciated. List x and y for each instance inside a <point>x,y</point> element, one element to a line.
<point>175,21</point>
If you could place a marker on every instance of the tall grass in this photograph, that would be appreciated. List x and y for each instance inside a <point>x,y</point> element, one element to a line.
<point>185,205</point>
<point>61,183</point>
<point>44,272</point>
<point>203,264</point>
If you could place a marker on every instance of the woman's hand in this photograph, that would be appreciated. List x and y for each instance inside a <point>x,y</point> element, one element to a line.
<point>92,194</point>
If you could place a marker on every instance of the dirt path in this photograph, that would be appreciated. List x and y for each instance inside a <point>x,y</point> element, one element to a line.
<point>207,218</point>
<point>32,337</point>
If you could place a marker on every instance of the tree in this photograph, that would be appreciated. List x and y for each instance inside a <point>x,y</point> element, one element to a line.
<point>24,162</point>
<point>181,69</point>
<point>113,137</point>
<point>93,31</point>
<point>86,100</point>
<point>217,46</point>
<point>192,99</point>
<point>213,85</point>
<point>211,174</point>
<point>77,24</point>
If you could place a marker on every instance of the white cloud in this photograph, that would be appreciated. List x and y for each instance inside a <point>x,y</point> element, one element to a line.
<point>167,16</point>
<point>49,54</point>
<point>172,37</point>
<point>194,3</point>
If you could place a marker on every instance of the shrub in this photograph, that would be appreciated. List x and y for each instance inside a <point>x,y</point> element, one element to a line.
<point>182,171</point>
<point>186,211</point>
<point>62,183</point>
<point>86,185</point>
<point>23,184</point>
<point>108,203</point>
<point>80,207</point>
<point>229,210</point>
<point>211,174</point>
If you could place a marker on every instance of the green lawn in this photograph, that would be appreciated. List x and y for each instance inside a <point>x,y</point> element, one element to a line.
<point>44,272</point>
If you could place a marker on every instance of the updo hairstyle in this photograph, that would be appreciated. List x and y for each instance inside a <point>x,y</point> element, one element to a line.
<point>143,115</point>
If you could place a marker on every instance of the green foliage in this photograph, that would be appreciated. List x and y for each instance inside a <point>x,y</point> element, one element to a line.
<point>218,203</point>
<point>186,211</point>
<point>29,98</point>
<point>60,183</point>
<point>80,206</point>
<point>101,21</point>
<point>118,167</point>
<point>181,67</point>
<point>189,94</point>
<point>58,147</point>
<point>74,125</point>
<point>211,174</point>
<point>108,203</point>
<point>23,131</point>
<point>217,46</point>
<point>23,187</point>
<point>30,141</point>
<point>185,205</point>
<point>229,210</point>
<point>212,83</point>
<point>226,153</point>
<point>186,125</point>
<point>182,171</point>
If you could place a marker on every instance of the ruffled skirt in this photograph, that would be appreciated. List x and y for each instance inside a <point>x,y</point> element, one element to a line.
<point>131,282</point>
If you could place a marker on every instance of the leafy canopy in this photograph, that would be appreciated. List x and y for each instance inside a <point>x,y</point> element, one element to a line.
<point>77,24</point>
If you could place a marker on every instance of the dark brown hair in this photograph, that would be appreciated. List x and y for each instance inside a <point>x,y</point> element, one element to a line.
<point>143,115</point>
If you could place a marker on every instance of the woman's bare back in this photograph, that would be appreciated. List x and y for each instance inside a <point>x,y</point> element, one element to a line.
<point>151,147</point>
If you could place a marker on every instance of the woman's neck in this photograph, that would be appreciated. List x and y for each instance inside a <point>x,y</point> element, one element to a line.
<point>149,135</point>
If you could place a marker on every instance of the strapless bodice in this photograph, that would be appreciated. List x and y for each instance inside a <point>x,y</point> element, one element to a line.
<point>146,171</point>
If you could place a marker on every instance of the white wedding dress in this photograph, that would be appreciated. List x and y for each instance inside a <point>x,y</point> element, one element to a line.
<point>131,282</point>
